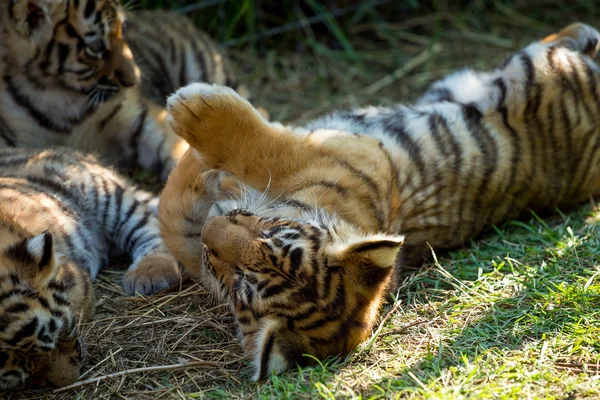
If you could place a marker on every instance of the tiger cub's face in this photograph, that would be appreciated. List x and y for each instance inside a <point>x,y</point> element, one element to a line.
<point>297,287</point>
<point>74,45</point>
<point>39,338</point>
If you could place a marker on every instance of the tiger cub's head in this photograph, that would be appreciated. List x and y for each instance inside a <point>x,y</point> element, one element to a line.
<point>312,286</point>
<point>39,336</point>
<point>73,45</point>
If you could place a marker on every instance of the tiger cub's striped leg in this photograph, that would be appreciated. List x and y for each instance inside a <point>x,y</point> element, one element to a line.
<point>189,195</point>
<point>124,214</point>
<point>487,90</point>
<point>135,230</point>
<point>231,135</point>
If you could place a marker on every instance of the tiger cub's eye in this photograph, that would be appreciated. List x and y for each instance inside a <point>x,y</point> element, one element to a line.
<point>95,49</point>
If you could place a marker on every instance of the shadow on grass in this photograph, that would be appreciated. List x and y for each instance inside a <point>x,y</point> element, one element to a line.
<point>525,298</point>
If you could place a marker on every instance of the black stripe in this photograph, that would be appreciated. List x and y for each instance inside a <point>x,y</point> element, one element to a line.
<point>118,193</point>
<point>16,308</point>
<point>25,332</point>
<point>137,133</point>
<point>160,164</point>
<point>39,116</point>
<point>47,254</point>
<point>295,260</point>
<point>577,92</point>
<point>273,290</point>
<point>45,63</point>
<point>511,188</point>
<point>71,32</point>
<point>57,285</point>
<point>567,166</point>
<point>49,187</point>
<point>397,128</point>
<point>44,303</point>
<point>90,6</point>
<point>63,54</point>
<point>106,120</point>
<point>107,199</point>
<point>327,184</point>
<point>182,72</point>
<point>127,216</point>
<point>61,299</point>
<point>450,150</point>
<point>264,357</point>
<point>591,81</point>
<point>146,241</point>
<point>6,295</point>
<point>141,224</point>
<point>373,204</point>
<point>19,253</point>
<point>578,89</point>
<point>488,148</point>
<point>6,133</point>
<point>380,244</point>
<point>327,280</point>
<point>68,278</point>
<point>586,155</point>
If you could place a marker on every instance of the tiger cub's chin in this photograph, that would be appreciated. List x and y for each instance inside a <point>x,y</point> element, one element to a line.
<point>298,287</point>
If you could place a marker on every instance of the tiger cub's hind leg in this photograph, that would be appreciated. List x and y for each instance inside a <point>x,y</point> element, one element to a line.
<point>487,90</point>
<point>128,220</point>
<point>231,135</point>
<point>137,233</point>
<point>579,37</point>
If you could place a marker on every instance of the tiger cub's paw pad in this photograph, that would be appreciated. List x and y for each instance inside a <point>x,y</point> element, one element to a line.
<point>200,113</point>
<point>151,274</point>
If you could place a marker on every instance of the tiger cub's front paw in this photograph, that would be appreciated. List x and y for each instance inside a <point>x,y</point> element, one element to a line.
<point>153,273</point>
<point>213,119</point>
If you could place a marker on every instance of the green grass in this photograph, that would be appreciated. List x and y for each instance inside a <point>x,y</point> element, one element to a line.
<point>516,315</point>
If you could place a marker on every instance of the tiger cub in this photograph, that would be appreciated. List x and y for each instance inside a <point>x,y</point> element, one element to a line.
<point>69,78</point>
<point>61,212</point>
<point>306,267</point>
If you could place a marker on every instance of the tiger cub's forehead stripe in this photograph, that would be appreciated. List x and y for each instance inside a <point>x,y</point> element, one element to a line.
<point>89,8</point>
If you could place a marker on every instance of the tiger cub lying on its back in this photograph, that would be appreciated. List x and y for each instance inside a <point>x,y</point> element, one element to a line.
<point>68,77</point>
<point>60,214</point>
<point>306,269</point>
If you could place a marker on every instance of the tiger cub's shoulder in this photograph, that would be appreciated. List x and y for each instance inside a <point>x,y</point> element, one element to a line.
<point>171,52</point>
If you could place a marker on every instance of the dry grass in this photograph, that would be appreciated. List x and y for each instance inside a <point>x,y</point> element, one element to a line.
<point>442,339</point>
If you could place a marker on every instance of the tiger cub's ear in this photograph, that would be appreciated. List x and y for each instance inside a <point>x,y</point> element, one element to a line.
<point>32,18</point>
<point>35,258</point>
<point>372,258</point>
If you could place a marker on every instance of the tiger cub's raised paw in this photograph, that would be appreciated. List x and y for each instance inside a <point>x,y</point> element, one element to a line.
<point>579,37</point>
<point>213,119</point>
<point>151,274</point>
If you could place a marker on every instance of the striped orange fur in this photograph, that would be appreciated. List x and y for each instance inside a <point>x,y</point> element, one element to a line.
<point>338,208</point>
<point>61,215</point>
<point>88,75</point>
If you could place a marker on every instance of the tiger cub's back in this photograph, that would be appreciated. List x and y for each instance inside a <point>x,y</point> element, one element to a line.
<point>171,52</point>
